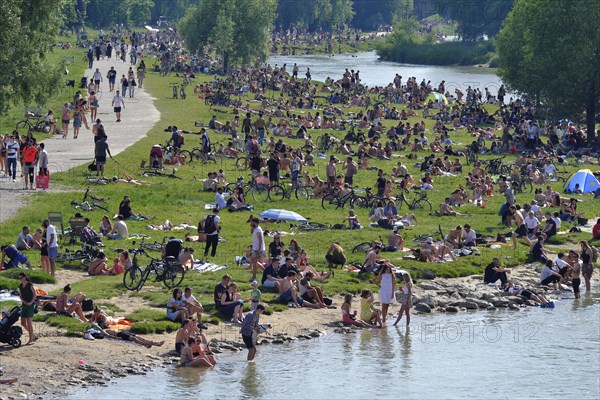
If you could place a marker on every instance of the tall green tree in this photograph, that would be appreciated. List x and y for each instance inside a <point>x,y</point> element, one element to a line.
<point>550,51</point>
<point>313,14</point>
<point>475,18</point>
<point>370,14</point>
<point>239,30</point>
<point>28,28</point>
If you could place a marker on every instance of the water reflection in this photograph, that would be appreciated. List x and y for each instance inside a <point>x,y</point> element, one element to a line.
<point>251,382</point>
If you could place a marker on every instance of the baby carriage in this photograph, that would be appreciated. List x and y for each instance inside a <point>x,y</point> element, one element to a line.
<point>8,333</point>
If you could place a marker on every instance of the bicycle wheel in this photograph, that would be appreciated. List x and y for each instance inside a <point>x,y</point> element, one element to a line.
<point>132,278</point>
<point>22,125</point>
<point>260,193</point>
<point>330,202</point>
<point>302,193</point>
<point>526,186</point>
<point>422,204</point>
<point>197,155</point>
<point>187,155</point>
<point>276,193</point>
<point>43,127</point>
<point>241,163</point>
<point>359,202</point>
<point>362,248</point>
<point>174,275</point>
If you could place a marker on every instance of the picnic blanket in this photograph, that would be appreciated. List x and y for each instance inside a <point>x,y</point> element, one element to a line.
<point>203,266</point>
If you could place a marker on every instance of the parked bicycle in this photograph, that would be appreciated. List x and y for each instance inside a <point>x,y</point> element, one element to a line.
<point>334,201</point>
<point>419,202</point>
<point>366,246</point>
<point>169,271</point>
<point>87,206</point>
<point>34,122</point>
<point>280,192</point>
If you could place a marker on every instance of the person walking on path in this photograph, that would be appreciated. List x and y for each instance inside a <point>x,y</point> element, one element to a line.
<point>100,151</point>
<point>65,117</point>
<point>118,104</point>
<point>28,298</point>
<point>211,229</point>
<point>52,243</point>
<point>112,78</point>
<point>30,158</point>
<point>43,160</point>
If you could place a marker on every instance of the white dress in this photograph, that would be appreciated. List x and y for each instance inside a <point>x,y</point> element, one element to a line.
<point>386,291</point>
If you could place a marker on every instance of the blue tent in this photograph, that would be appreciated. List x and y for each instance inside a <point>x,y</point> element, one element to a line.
<point>586,180</point>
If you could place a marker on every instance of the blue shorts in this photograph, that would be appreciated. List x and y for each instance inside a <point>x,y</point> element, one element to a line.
<point>295,176</point>
<point>52,252</point>
<point>111,81</point>
<point>19,259</point>
<point>286,297</point>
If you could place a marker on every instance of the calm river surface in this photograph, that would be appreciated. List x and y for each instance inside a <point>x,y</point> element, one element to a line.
<point>380,73</point>
<point>533,353</point>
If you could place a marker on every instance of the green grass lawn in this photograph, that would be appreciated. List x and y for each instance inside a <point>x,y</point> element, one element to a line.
<point>182,201</point>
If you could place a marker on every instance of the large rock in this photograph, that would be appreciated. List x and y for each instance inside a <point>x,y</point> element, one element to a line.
<point>515,299</point>
<point>501,303</point>
<point>422,307</point>
<point>451,309</point>
<point>469,305</point>
<point>430,286</point>
<point>480,303</point>
<point>429,300</point>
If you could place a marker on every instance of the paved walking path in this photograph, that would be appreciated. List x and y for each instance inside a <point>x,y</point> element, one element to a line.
<point>138,117</point>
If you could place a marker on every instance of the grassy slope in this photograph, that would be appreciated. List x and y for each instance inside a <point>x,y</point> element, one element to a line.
<point>182,201</point>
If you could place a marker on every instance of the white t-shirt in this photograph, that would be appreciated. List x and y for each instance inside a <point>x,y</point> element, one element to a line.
<point>546,272</point>
<point>558,222</point>
<point>190,299</point>
<point>469,237</point>
<point>118,101</point>
<point>121,228</point>
<point>550,169</point>
<point>560,264</point>
<point>256,246</point>
<point>531,223</point>
<point>97,76</point>
<point>52,242</point>
<point>220,200</point>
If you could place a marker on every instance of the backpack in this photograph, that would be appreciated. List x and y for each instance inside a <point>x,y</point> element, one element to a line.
<point>209,224</point>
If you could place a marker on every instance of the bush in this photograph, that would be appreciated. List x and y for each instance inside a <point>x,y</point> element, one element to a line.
<point>449,53</point>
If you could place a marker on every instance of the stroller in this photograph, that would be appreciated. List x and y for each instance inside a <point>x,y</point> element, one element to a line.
<point>8,333</point>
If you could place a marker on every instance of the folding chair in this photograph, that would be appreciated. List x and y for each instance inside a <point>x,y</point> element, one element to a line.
<point>56,219</point>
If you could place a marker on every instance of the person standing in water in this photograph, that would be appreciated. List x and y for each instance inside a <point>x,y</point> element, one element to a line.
<point>406,301</point>
<point>249,326</point>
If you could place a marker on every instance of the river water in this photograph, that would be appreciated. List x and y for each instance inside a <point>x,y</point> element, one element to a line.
<point>380,73</point>
<point>533,353</point>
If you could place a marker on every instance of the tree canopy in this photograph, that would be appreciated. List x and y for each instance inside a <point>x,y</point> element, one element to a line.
<point>239,30</point>
<point>29,27</point>
<point>313,14</point>
<point>552,54</point>
<point>475,18</point>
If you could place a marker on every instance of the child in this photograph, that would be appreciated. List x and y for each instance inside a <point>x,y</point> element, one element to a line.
<point>353,220</point>
<point>117,268</point>
<point>255,294</point>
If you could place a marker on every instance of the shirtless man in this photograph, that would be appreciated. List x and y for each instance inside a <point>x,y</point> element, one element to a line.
<point>519,221</point>
<point>289,293</point>
<point>130,337</point>
<point>447,210</point>
<point>453,240</point>
<point>395,241</point>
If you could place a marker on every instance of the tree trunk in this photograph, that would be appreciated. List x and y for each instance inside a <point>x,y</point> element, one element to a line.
<point>225,63</point>
<point>591,118</point>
